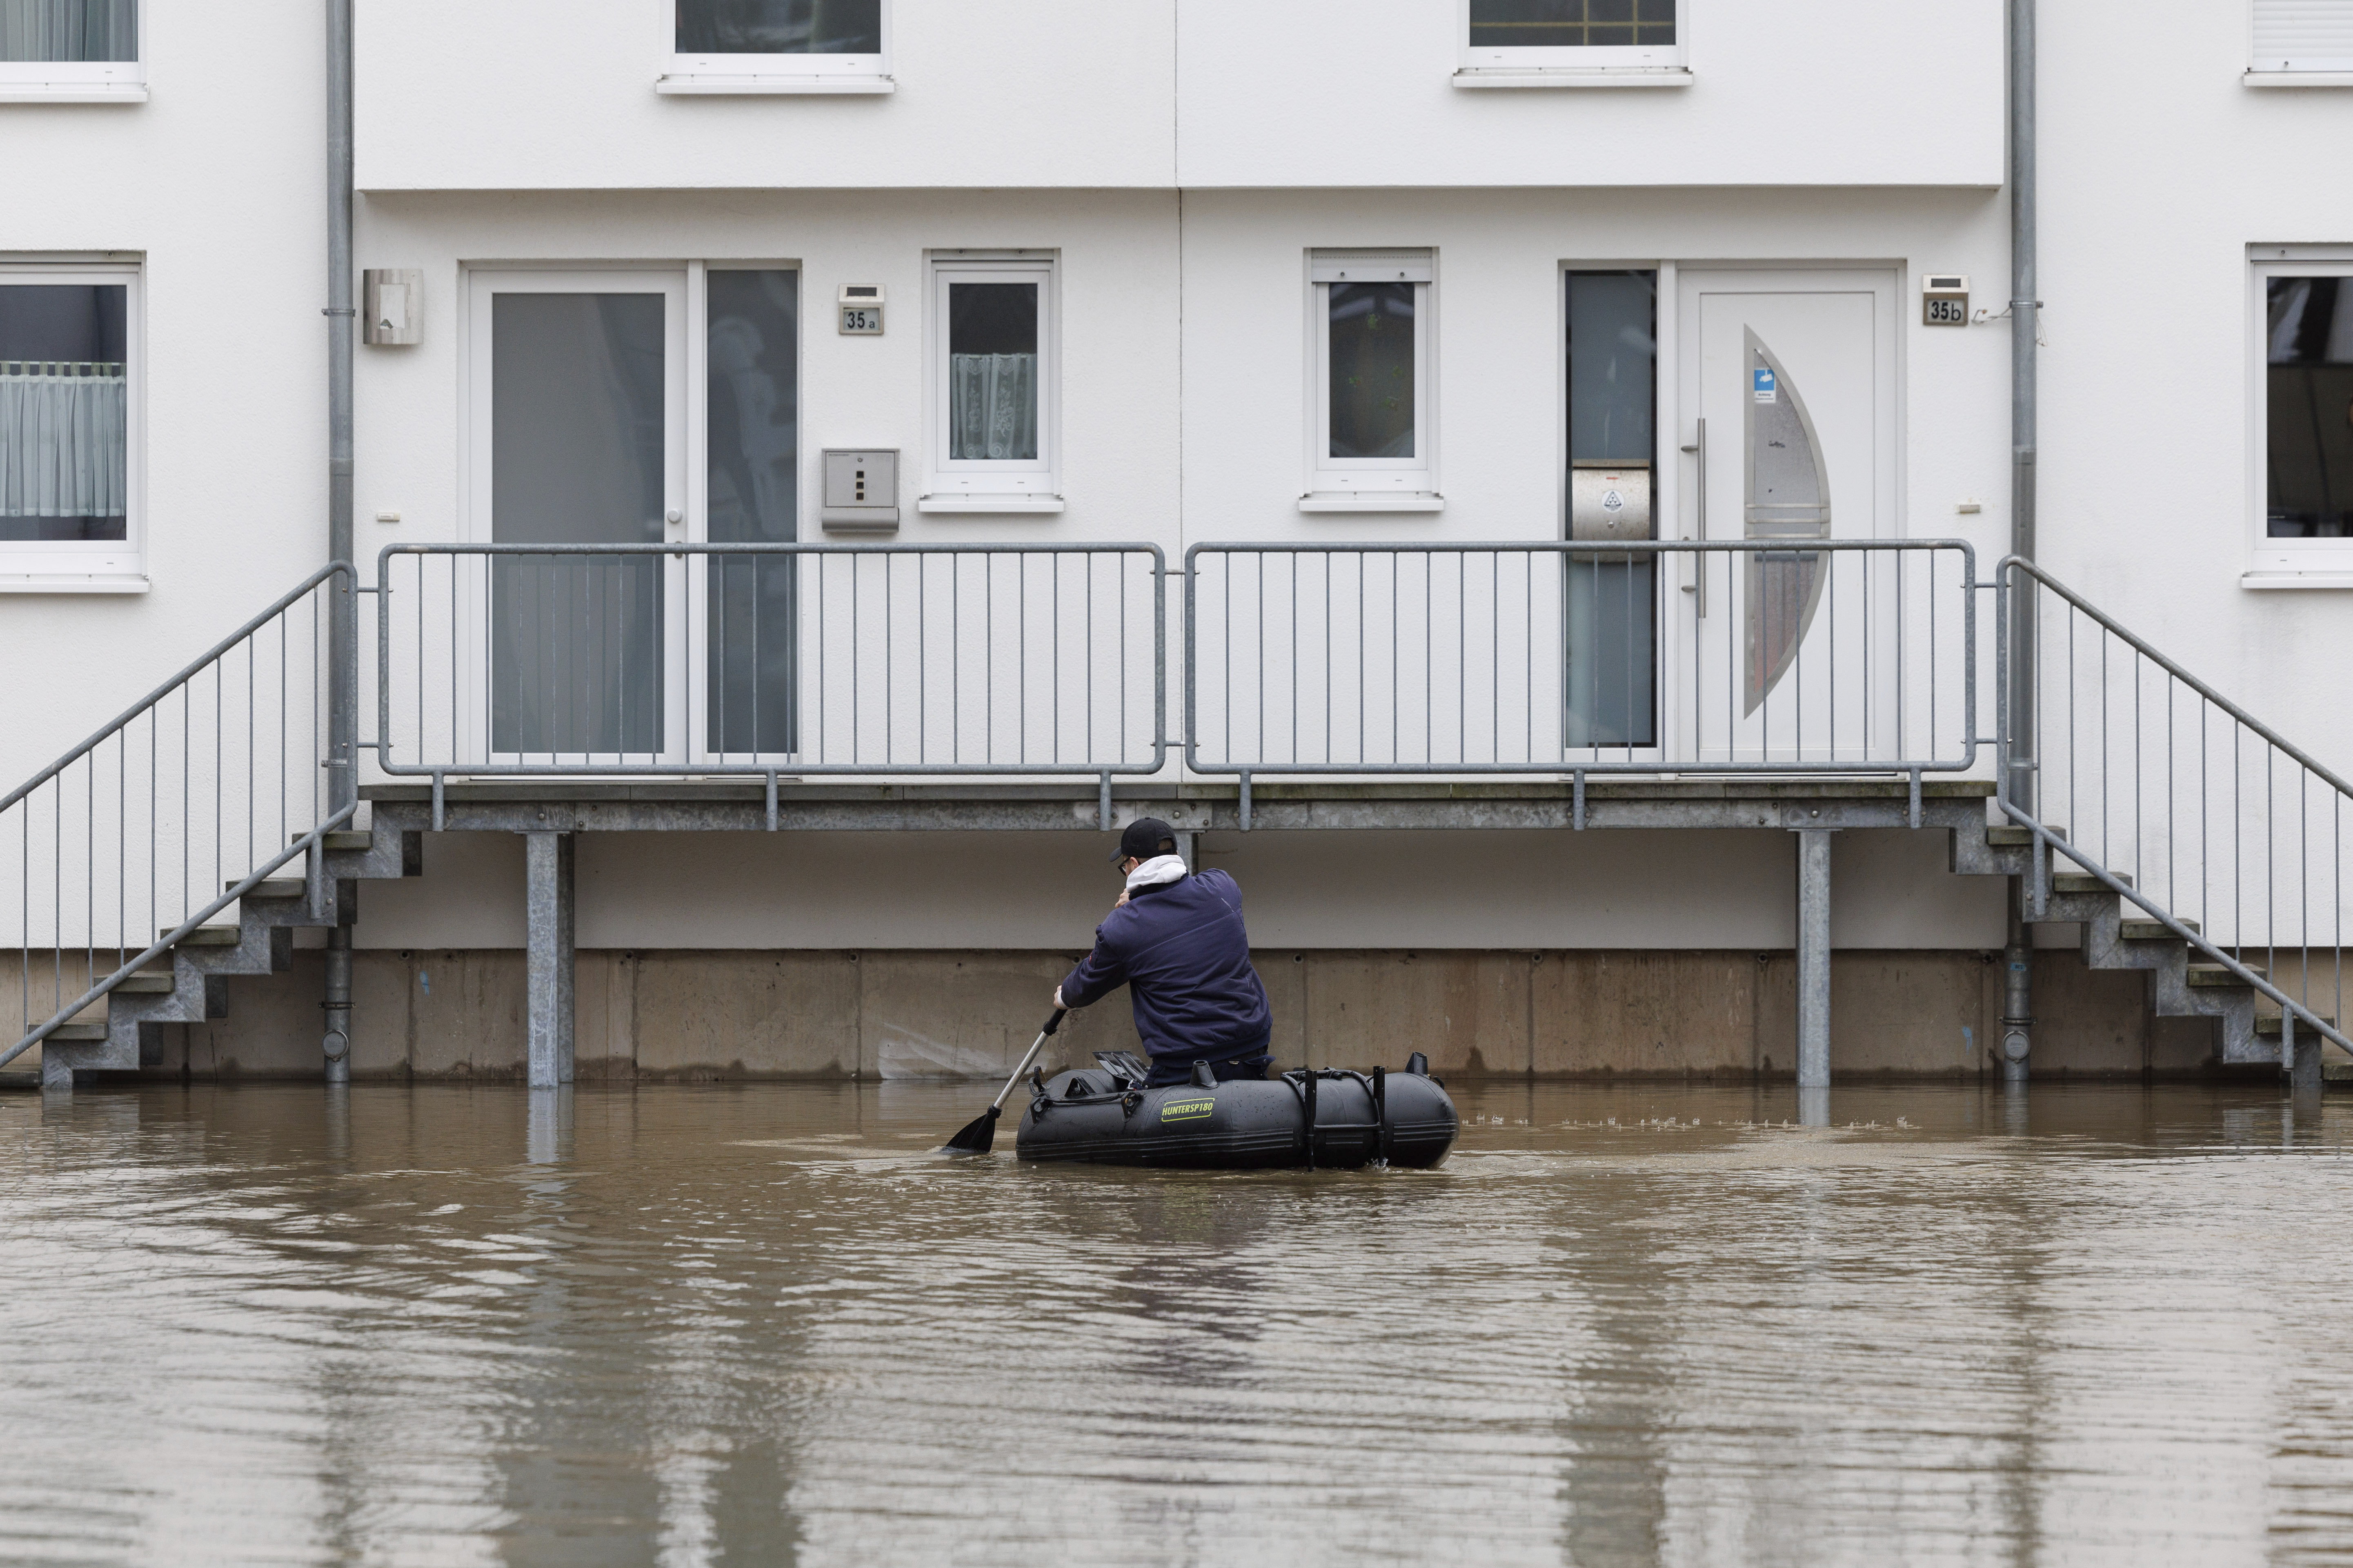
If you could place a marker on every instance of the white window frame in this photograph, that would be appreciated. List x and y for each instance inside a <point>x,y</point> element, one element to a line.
<point>97,565</point>
<point>1371,484</point>
<point>2283,562</point>
<point>719,74</point>
<point>1594,66</point>
<point>979,484</point>
<point>2268,67</point>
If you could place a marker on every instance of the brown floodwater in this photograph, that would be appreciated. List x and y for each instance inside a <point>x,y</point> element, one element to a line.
<point>766,1325</point>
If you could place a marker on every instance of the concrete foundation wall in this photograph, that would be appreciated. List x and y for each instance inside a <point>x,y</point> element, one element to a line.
<point>835,1015</point>
<point>1677,889</point>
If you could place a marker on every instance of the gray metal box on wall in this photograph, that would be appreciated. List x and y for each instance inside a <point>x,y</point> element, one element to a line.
<point>394,307</point>
<point>861,492</point>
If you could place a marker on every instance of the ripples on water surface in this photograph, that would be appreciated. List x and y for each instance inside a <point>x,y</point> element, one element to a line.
<point>762,1325</point>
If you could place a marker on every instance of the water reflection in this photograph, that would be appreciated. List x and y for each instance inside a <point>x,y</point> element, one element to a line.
<point>694,1325</point>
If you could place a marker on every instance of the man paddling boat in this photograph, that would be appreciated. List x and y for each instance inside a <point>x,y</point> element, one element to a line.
<point>1175,941</point>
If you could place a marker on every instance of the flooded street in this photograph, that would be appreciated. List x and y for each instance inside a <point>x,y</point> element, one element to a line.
<point>765,1324</point>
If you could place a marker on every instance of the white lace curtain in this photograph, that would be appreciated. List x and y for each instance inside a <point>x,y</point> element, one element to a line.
<point>68,29</point>
<point>993,406</point>
<point>62,430</point>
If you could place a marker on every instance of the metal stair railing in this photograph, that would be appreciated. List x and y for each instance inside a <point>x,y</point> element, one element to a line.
<point>2176,799</point>
<point>170,813</point>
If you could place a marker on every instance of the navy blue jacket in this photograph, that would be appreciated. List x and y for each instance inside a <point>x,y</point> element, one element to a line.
<point>1181,952</point>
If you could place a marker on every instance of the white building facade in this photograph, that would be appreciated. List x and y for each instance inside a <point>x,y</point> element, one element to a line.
<point>1407,275</point>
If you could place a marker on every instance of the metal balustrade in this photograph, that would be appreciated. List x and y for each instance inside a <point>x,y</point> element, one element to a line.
<point>2188,807</point>
<point>507,660</point>
<point>1833,657</point>
<point>1758,658</point>
<point>170,813</point>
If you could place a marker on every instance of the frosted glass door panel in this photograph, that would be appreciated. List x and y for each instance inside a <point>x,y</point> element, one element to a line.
<point>579,447</point>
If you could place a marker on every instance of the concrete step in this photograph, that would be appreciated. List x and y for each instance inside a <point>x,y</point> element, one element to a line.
<point>2082,883</point>
<point>2010,836</point>
<point>209,936</point>
<point>2268,1026</point>
<point>149,982</point>
<point>273,888</point>
<point>2214,977</point>
<point>79,1034</point>
<point>2153,931</point>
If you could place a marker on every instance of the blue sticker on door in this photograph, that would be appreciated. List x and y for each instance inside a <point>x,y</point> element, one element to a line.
<point>1761,378</point>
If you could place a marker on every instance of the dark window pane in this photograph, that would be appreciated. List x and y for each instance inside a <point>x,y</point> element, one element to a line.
<point>993,371</point>
<point>2309,398</point>
<point>67,31</point>
<point>1612,366</point>
<point>754,478</point>
<point>65,409</point>
<point>1570,24</point>
<point>1372,330</point>
<point>1612,601</point>
<point>1612,651</point>
<point>780,27</point>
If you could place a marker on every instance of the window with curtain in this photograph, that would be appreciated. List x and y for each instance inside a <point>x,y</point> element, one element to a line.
<point>993,369</point>
<point>1370,368</point>
<point>65,412</point>
<point>70,32</point>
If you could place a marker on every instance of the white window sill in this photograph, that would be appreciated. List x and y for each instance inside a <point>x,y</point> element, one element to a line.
<point>2340,579</point>
<point>716,86</point>
<point>64,583</point>
<point>71,92</point>
<point>1372,500</point>
<point>2298,79</point>
<point>1039,505</point>
<point>1647,77</point>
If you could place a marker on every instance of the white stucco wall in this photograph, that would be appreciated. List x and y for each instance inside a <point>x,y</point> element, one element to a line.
<point>1183,311</point>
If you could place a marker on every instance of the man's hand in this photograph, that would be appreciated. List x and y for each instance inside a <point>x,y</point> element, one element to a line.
<point>1058,1000</point>
<point>1122,899</point>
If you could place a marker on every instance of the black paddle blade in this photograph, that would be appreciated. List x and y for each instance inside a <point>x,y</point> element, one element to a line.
<point>976,1137</point>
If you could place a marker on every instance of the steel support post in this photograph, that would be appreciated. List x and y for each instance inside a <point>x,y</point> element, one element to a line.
<point>547,861</point>
<point>2020,750</point>
<point>1814,958</point>
<point>342,607</point>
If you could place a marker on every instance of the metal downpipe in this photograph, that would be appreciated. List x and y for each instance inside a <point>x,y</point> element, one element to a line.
<point>2025,323</point>
<point>342,642</point>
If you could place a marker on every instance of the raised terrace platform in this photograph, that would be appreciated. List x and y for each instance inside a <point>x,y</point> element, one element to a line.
<point>556,805</point>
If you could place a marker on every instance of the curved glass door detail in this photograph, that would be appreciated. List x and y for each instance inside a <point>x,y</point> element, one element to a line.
<point>1788,496</point>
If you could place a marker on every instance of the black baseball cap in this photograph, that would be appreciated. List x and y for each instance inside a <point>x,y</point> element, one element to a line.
<point>1143,839</point>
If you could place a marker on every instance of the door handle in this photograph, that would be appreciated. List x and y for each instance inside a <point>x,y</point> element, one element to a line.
<point>1697,587</point>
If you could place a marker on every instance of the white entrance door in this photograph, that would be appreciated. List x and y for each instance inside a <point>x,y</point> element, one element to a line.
<point>577,392</point>
<point>1788,412</point>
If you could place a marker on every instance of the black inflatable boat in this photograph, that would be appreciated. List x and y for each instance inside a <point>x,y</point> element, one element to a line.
<point>1104,1115</point>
